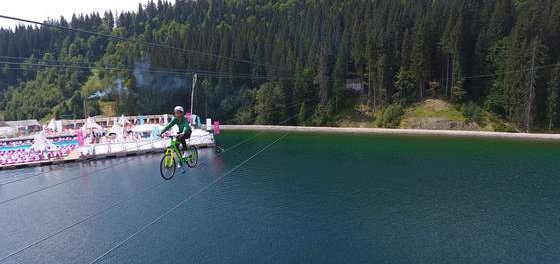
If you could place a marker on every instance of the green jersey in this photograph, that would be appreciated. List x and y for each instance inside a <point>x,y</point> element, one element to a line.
<point>182,123</point>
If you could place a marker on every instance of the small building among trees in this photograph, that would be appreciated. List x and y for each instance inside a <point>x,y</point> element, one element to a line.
<point>355,84</point>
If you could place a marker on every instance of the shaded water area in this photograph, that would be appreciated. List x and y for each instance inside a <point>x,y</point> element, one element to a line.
<point>309,198</point>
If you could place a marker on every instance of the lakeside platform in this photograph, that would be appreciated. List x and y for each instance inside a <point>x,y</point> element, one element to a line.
<point>114,150</point>
<point>386,131</point>
<point>39,163</point>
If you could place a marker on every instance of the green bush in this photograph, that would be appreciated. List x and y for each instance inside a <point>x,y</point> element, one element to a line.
<point>392,116</point>
<point>473,113</point>
<point>244,117</point>
<point>504,128</point>
<point>323,116</point>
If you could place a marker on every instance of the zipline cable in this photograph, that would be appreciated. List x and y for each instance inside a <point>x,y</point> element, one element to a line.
<point>146,43</point>
<point>510,72</point>
<point>78,177</point>
<point>36,242</point>
<point>153,186</point>
<point>94,66</point>
<point>190,197</point>
<point>128,70</point>
<point>187,199</point>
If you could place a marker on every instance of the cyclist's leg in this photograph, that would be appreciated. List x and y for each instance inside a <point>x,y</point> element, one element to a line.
<point>182,138</point>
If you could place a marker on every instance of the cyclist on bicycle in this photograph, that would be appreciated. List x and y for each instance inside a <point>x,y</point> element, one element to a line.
<point>184,129</point>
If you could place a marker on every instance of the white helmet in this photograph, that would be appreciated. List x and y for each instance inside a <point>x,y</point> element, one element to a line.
<point>179,108</point>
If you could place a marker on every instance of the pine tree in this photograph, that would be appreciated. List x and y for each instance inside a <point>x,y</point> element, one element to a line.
<point>323,76</point>
<point>269,104</point>
<point>301,115</point>
<point>552,103</point>
<point>339,77</point>
<point>310,46</point>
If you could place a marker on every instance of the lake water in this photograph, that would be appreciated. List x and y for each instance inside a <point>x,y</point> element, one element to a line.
<point>309,198</point>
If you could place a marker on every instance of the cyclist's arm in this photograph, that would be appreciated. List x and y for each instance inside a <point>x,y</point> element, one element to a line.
<point>170,125</point>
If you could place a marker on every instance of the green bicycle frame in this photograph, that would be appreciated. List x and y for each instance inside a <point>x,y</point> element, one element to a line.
<point>171,151</point>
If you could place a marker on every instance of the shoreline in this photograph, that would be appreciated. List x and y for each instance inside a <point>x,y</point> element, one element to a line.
<point>401,132</point>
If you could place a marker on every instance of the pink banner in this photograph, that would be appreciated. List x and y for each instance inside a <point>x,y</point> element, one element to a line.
<point>217,127</point>
<point>80,138</point>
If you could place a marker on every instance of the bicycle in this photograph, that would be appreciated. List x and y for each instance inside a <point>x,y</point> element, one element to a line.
<point>173,157</point>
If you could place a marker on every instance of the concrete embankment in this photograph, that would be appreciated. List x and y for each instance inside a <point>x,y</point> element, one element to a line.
<point>406,132</point>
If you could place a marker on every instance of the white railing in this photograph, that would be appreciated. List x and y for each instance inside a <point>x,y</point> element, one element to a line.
<point>197,139</point>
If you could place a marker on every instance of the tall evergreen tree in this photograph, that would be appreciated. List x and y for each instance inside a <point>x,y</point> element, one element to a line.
<point>477,51</point>
<point>553,103</point>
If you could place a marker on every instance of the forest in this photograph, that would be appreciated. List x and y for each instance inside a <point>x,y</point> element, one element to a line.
<point>289,61</point>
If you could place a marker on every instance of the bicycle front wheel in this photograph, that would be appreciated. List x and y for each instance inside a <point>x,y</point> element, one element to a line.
<point>167,166</point>
<point>192,159</point>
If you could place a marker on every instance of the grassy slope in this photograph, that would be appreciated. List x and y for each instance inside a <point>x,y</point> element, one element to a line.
<point>432,114</point>
<point>436,114</point>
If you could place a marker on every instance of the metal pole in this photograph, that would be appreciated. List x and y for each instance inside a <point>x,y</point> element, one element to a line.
<point>192,92</point>
<point>85,111</point>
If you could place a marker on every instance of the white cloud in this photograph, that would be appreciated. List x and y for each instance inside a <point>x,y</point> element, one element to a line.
<point>40,10</point>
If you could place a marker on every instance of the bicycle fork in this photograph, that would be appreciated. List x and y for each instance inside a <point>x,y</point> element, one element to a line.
<point>170,155</point>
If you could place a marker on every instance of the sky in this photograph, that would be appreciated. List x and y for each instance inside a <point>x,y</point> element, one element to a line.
<point>40,10</point>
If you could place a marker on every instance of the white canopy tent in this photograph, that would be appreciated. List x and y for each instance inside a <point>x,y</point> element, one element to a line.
<point>117,130</point>
<point>90,124</point>
<point>52,125</point>
<point>42,143</point>
<point>123,121</point>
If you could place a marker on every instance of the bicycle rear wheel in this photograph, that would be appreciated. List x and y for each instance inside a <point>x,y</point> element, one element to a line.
<point>192,159</point>
<point>167,166</point>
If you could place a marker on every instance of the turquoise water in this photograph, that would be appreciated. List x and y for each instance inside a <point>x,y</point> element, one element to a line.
<point>28,146</point>
<point>310,198</point>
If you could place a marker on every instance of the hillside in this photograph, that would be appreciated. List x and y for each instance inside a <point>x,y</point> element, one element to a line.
<point>433,114</point>
<point>265,61</point>
<point>430,114</point>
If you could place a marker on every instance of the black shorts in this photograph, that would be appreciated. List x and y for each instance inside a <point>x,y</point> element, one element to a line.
<point>183,138</point>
